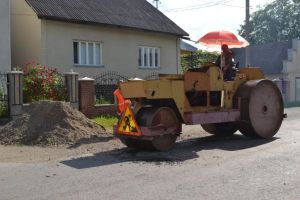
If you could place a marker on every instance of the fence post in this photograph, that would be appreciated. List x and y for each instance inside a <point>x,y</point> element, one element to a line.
<point>15,92</point>
<point>72,88</point>
<point>87,96</point>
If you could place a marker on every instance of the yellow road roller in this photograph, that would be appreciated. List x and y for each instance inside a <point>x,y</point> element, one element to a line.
<point>152,112</point>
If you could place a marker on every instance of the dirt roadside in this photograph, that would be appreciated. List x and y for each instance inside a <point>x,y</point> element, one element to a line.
<point>32,154</point>
<point>50,123</point>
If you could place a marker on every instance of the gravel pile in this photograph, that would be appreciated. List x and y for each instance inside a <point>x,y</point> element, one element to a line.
<point>50,123</point>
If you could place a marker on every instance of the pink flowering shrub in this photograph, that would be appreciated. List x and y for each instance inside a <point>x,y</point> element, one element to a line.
<point>42,83</point>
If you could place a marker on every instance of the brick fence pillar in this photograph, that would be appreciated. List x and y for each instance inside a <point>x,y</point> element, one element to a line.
<point>15,92</point>
<point>87,96</point>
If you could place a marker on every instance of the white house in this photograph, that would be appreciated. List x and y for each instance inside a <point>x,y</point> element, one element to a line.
<point>5,54</point>
<point>128,36</point>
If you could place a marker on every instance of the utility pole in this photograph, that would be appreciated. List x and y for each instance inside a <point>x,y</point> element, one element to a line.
<point>247,31</point>
<point>156,3</point>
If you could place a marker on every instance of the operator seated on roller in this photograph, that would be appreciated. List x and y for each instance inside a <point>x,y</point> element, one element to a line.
<point>225,62</point>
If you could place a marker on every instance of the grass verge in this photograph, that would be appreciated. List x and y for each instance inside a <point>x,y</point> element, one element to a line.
<point>107,122</point>
<point>292,104</point>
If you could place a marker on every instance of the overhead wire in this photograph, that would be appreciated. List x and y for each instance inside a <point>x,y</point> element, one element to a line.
<point>203,5</point>
<point>235,6</point>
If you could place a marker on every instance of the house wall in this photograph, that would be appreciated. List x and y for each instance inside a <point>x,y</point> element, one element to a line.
<point>5,54</point>
<point>25,34</point>
<point>119,46</point>
<point>281,81</point>
<point>293,69</point>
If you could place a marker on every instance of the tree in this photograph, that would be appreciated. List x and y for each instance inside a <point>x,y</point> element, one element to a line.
<point>276,21</point>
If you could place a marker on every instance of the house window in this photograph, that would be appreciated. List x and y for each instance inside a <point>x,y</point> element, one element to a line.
<point>87,53</point>
<point>149,57</point>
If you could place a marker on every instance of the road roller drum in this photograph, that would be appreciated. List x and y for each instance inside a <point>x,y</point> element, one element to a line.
<point>261,109</point>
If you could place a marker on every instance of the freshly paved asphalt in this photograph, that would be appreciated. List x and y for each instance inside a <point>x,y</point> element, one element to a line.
<point>199,168</point>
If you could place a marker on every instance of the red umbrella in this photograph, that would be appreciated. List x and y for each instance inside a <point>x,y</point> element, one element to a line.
<point>217,38</point>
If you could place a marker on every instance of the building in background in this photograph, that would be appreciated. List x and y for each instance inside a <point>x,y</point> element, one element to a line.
<point>5,54</point>
<point>280,62</point>
<point>186,48</point>
<point>90,37</point>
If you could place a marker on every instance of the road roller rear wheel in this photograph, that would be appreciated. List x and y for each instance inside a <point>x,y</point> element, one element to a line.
<point>221,129</point>
<point>164,142</point>
<point>261,109</point>
<point>153,116</point>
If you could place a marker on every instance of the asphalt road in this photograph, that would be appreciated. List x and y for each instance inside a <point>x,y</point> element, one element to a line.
<point>204,167</point>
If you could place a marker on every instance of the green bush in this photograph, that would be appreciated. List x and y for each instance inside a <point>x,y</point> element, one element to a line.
<point>197,59</point>
<point>3,104</point>
<point>43,83</point>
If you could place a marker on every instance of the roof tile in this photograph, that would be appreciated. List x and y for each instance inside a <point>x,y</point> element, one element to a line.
<point>136,14</point>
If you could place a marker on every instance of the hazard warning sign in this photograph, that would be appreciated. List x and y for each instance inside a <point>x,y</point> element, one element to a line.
<point>128,125</point>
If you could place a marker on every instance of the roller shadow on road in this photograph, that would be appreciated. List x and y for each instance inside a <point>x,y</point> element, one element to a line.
<point>184,150</point>
<point>90,141</point>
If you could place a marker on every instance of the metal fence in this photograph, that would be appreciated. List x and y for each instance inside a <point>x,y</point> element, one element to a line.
<point>107,83</point>
<point>4,105</point>
<point>152,76</point>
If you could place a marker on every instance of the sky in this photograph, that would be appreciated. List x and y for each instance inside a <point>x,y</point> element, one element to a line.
<point>198,17</point>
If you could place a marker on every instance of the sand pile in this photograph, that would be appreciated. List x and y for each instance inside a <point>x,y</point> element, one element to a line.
<point>50,123</point>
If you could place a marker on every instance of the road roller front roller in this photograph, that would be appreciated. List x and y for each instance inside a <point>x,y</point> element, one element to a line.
<point>261,109</point>
<point>152,112</point>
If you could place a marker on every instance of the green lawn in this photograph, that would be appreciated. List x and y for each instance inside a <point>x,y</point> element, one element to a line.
<point>291,104</point>
<point>107,122</point>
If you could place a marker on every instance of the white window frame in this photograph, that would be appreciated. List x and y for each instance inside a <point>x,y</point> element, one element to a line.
<point>147,50</point>
<point>79,53</point>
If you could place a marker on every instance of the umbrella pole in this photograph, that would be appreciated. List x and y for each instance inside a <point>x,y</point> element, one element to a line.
<point>221,65</point>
